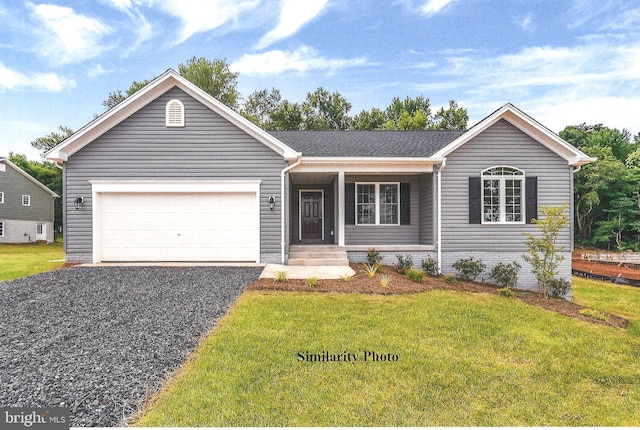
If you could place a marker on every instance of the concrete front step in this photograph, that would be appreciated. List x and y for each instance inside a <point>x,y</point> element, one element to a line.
<point>315,248</point>
<point>317,255</point>
<point>318,261</point>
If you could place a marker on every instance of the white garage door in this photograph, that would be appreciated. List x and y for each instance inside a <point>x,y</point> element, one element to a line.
<point>139,226</point>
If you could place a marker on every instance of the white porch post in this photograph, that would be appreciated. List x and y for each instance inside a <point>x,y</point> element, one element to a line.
<point>341,205</point>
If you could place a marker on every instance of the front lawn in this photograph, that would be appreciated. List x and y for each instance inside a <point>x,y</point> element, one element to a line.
<point>463,359</point>
<point>621,300</point>
<point>29,259</point>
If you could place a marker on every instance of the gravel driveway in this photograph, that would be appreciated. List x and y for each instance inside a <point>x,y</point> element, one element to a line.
<point>100,339</point>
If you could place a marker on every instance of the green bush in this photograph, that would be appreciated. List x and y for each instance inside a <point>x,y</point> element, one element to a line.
<point>559,288</point>
<point>506,275</point>
<point>404,263</point>
<point>373,257</point>
<point>415,275</point>
<point>430,266</point>
<point>506,291</point>
<point>468,268</point>
<point>312,281</point>
<point>449,278</point>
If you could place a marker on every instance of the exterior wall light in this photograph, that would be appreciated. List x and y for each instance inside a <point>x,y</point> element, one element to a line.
<point>77,202</point>
<point>272,202</point>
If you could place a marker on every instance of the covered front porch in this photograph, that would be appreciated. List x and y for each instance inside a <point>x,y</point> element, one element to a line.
<point>389,206</point>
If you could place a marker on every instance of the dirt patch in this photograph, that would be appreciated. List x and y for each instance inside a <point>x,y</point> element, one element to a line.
<point>606,269</point>
<point>400,284</point>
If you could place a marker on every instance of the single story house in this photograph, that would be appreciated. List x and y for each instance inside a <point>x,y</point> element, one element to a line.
<point>26,206</point>
<point>172,174</point>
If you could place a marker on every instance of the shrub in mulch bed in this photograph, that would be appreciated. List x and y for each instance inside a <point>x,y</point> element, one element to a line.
<point>400,284</point>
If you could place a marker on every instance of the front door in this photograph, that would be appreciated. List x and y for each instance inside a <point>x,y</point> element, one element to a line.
<point>311,208</point>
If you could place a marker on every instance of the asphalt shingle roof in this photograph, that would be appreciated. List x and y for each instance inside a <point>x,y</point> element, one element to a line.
<point>327,143</point>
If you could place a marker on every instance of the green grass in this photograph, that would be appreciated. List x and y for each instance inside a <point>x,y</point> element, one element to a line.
<point>29,259</point>
<point>615,299</point>
<point>463,360</point>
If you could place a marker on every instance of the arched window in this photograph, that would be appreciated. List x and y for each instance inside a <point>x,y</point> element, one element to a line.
<point>175,114</point>
<point>503,199</point>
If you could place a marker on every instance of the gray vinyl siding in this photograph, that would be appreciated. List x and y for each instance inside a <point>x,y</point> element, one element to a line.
<point>426,209</point>
<point>501,144</point>
<point>143,148</point>
<point>387,235</point>
<point>13,184</point>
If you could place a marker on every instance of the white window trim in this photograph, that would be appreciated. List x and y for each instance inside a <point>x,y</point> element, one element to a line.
<point>1,197</point>
<point>171,120</point>
<point>502,195</point>
<point>28,200</point>
<point>377,203</point>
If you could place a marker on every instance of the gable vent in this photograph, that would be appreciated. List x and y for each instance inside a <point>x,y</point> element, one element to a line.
<point>175,114</point>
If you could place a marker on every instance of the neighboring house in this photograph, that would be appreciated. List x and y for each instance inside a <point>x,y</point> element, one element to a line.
<point>26,206</point>
<point>171,174</point>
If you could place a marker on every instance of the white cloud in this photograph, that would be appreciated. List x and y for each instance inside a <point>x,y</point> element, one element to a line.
<point>120,4</point>
<point>559,86</point>
<point>12,80</point>
<point>527,24</point>
<point>293,15</point>
<point>68,37</point>
<point>559,112</point>
<point>434,6</point>
<point>203,15</point>
<point>302,60</point>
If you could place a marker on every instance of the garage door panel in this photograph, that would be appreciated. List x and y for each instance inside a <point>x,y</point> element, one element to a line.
<point>178,227</point>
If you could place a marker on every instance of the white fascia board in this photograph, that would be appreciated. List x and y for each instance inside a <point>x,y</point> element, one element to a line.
<point>527,125</point>
<point>367,164</point>
<point>28,176</point>
<point>236,119</point>
<point>146,95</point>
<point>249,186</point>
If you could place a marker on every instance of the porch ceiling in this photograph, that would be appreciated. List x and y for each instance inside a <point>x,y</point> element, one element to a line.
<point>312,178</point>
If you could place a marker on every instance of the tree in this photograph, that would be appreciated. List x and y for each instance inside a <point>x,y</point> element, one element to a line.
<point>52,139</point>
<point>408,114</point>
<point>326,111</point>
<point>116,97</point>
<point>260,107</point>
<point>452,118</point>
<point>368,120</point>
<point>288,116</point>
<point>214,77</point>
<point>604,190</point>
<point>543,252</point>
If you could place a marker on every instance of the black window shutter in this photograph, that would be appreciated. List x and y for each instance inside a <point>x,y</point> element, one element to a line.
<point>475,207</point>
<point>350,204</point>
<point>405,203</point>
<point>531,191</point>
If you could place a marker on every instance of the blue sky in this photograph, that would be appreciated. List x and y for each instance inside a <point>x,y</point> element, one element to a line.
<point>563,62</point>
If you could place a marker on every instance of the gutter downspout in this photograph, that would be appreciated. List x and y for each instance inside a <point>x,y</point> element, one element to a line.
<point>282,206</point>
<point>439,218</point>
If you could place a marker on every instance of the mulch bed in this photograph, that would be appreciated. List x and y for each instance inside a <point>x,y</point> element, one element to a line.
<point>400,284</point>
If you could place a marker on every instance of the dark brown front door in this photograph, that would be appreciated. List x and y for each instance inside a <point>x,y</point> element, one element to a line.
<point>311,215</point>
